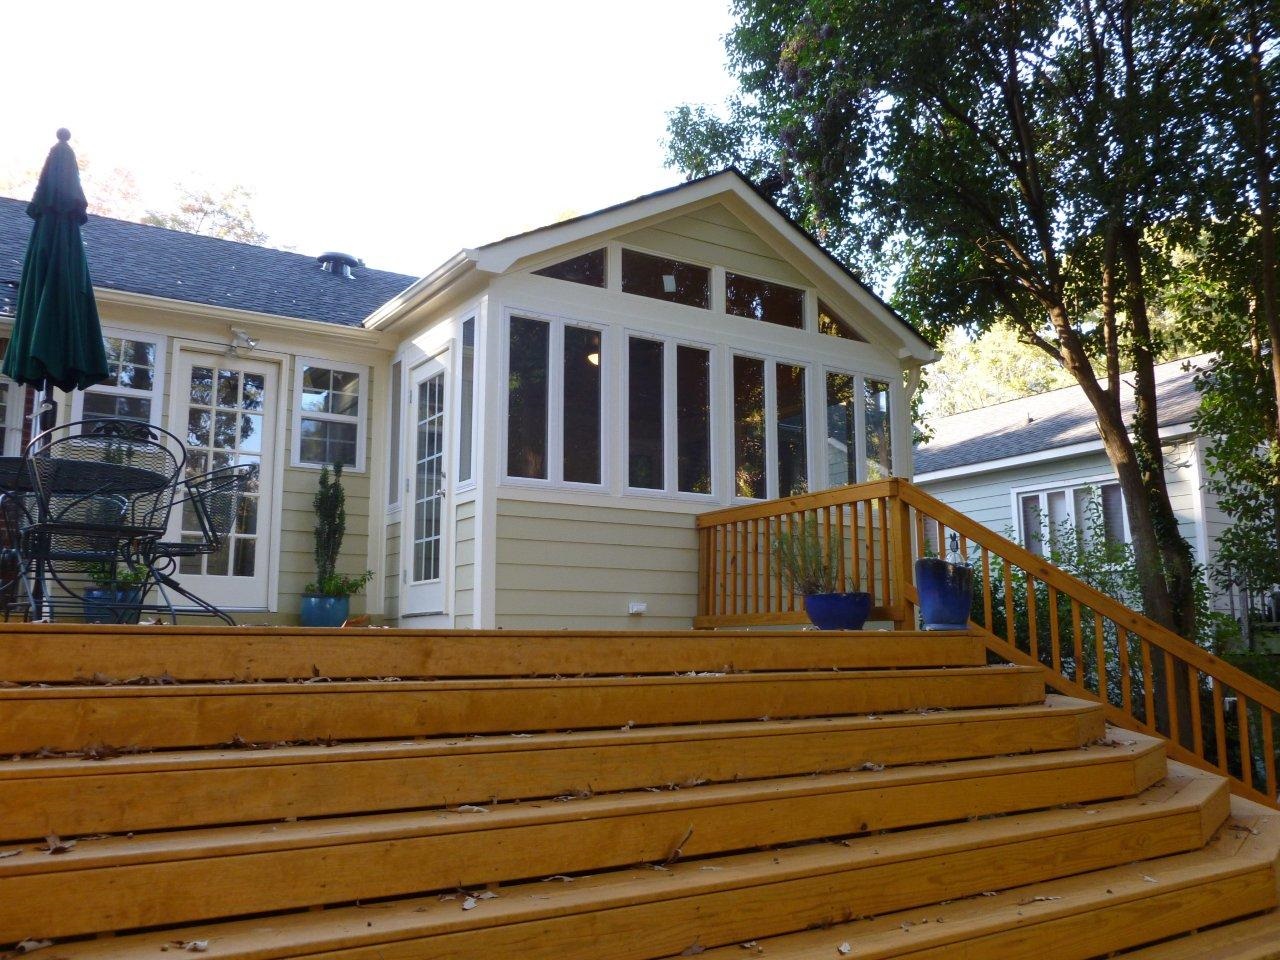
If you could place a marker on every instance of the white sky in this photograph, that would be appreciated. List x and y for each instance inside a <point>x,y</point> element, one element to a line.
<point>398,132</point>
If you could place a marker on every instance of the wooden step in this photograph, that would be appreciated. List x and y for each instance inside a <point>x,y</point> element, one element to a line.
<point>1255,939</point>
<point>51,653</point>
<point>103,884</point>
<point>645,913</point>
<point>69,796</point>
<point>184,715</point>
<point>1076,918</point>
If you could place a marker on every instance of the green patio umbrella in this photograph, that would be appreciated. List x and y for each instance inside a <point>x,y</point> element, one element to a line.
<point>57,338</point>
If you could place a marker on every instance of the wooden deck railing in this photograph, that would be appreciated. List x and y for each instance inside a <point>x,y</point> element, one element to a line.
<point>1147,678</point>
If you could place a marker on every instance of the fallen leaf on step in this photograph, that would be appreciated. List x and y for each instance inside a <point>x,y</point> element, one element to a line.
<point>195,946</point>
<point>9,853</point>
<point>471,808</point>
<point>1023,903</point>
<point>989,893</point>
<point>54,844</point>
<point>873,767</point>
<point>486,895</point>
<point>26,946</point>
<point>469,903</point>
<point>749,945</point>
<point>844,949</point>
<point>693,949</point>
<point>1149,879</point>
<point>559,876</point>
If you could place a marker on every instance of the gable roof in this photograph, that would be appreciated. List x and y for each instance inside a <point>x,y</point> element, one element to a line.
<point>136,258</point>
<point>1049,421</point>
<point>500,255</point>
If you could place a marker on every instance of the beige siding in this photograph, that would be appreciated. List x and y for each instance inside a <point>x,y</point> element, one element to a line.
<point>464,565</point>
<point>713,235</point>
<point>573,566</point>
<point>392,574</point>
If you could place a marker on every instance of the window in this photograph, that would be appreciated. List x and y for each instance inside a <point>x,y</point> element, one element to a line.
<point>466,405</point>
<point>842,430</point>
<point>833,325</point>
<point>762,300</point>
<point>748,428</point>
<point>553,363</point>
<point>879,429</point>
<point>668,416</point>
<point>329,418</point>
<point>133,386</point>
<point>663,279</point>
<point>793,458</point>
<point>769,407</point>
<point>586,269</point>
<point>1088,513</point>
<point>393,443</point>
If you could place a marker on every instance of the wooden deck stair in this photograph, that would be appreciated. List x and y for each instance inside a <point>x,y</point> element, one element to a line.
<point>275,793</point>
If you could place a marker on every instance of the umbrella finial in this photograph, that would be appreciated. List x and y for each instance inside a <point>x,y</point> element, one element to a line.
<point>64,134</point>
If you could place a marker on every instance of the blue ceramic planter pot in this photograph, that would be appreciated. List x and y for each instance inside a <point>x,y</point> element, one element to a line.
<point>838,611</point>
<point>103,605</point>
<point>321,611</point>
<point>946,594</point>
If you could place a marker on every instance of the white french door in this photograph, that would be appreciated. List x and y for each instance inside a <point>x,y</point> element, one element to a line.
<point>225,411</point>
<point>423,532</point>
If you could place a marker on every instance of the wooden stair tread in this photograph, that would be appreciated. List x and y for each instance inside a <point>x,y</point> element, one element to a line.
<point>72,718</point>
<point>63,653</point>
<point>174,789</point>
<point>645,913</point>
<point>1255,939</point>
<point>1140,761</point>
<point>1069,919</point>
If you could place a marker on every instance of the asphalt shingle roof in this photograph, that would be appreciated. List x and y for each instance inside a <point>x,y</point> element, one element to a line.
<point>135,258</point>
<point>1047,421</point>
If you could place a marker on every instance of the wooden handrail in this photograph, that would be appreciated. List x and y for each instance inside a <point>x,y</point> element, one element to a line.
<point>1145,676</point>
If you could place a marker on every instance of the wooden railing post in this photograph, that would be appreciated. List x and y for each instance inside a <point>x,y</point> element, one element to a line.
<point>904,560</point>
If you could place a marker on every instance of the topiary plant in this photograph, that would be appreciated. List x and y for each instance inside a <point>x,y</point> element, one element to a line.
<point>330,505</point>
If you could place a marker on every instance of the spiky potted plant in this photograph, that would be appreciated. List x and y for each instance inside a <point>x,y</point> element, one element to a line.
<point>326,602</point>
<point>811,565</point>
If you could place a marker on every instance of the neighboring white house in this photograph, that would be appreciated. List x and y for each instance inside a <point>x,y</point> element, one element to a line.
<point>530,428</point>
<point>1026,467</point>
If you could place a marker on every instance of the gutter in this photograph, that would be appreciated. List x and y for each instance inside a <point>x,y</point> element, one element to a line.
<point>438,280</point>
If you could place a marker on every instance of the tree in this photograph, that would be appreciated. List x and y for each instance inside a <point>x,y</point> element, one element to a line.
<point>1013,161</point>
<point>225,215</point>
<point>992,368</point>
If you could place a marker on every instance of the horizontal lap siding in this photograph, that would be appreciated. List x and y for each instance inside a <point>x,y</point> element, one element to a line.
<point>570,566</point>
<point>392,568</point>
<point>297,535</point>
<point>464,566</point>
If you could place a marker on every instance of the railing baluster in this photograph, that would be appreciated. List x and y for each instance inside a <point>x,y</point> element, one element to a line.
<point>1171,698</point>
<point>871,556</point>
<point>1055,635</point>
<point>1246,748</point>
<point>1077,642</point>
<point>1269,750</point>
<point>722,552</point>
<point>1148,685</point>
<point>855,545</point>
<point>986,590</point>
<point>1220,727</point>
<point>1010,621</point>
<point>1197,730</point>
<point>1126,678</point>
<point>1100,657</point>
<point>761,546</point>
<point>886,591</point>
<point>740,584</point>
<point>1033,640</point>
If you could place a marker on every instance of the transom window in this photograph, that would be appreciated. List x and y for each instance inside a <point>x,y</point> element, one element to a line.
<point>587,268</point>
<point>553,401</point>
<point>1051,519</point>
<point>668,416</point>
<point>763,300</point>
<point>664,279</point>
<point>834,325</point>
<point>329,414</point>
<point>133,387</point>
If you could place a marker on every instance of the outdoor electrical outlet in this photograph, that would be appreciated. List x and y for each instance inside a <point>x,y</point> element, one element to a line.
<point>636,607</point>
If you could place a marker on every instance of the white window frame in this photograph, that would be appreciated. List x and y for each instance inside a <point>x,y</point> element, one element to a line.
<point>361,418</point>
<point>555,400</point>
<point>474,318</point>
<point>670,433</point>
<point>690,262</point>
<point>771,422</point>
<point>1042,491</point>
<point>395,428</point>
<point>155,394</point>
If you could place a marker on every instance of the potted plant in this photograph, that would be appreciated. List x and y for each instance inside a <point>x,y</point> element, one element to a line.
<point>117,593</point>
<point>327,601</point>
<point>945,589</point>
<point>811,566</point>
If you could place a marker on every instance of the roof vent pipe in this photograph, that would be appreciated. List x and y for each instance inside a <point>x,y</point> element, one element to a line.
<point>338,263</point>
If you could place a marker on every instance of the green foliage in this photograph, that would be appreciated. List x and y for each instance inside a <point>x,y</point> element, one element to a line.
<point>330,508</point>
<point>226,215</point>
<point>810,563</point>
<point>992,368</point>
<point>118,575</point>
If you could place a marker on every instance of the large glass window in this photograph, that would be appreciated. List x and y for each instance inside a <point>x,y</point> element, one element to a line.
<point>645,407</point>
<point>842,430</point>
<point>330,409</point>
<point>581,405</point>
<point>762,300</point>
<point>879,430</point>
<point>586,269</point>
<point>664,279</point>
<point>132,388</point>
<point>529,359</point>
<point>693,419</point>
<point>793,457</point>
<point>466,404</point>
<point>749,478</point>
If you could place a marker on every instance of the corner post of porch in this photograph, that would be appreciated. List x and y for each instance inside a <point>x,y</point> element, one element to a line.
<point>902,558</point>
